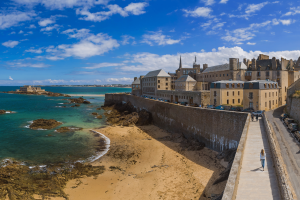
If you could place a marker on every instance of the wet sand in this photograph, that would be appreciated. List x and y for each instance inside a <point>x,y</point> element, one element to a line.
<point>146,163</point>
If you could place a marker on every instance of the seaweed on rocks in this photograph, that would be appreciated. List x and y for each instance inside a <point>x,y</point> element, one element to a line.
<point>44,124</point>
<point>19,181</point>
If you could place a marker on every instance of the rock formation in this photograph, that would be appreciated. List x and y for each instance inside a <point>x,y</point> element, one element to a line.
<point>68,129</point>
<point>44,124</point>
<point>5,111</point>
<point>79,100</point>
<point>126,115</point>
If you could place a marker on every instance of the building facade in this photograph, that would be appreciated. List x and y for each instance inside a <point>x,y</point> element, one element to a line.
<point>154,81</point>
<point>185,83</point>
<point>261,95</point>
<point>227,93</point>
<point>136,84</point>
<point>28,88</point>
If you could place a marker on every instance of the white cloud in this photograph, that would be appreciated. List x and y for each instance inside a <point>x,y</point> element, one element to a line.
<point>243,34</point>
<point>19,64</point>
<point>287,22</point>
<point>119,80</point>
<point>46,22</point>
<point>75,33</point>
<point>13,18</point>
<point>209,2</point>
<point>255,7</point>
<point>10,78</point>
<point>158,38</point>
<point>50,28</point>
<point>20,32</point>
<point>144,62</point>
<point>10,43</point>
<point>61,4</point>
<point>32,50</point>
<point>249,43</point>
<point>223,1</point>
<point>293,11</point>
<point>31,26</point>
<point>101,65</point>
<point>126,39</point>
<point>198,12</point>
<point>12,33</point>
<point>131,9</point>
<point>89,45</point>
<point>219,25</point>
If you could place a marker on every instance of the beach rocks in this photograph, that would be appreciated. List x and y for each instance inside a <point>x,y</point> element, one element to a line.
<point>2,111</point>
<point>94,113</point>
<point>98,108</point>
<point>125,114</point>
<point>99,116</point>
<point>44,124</point>
<point>68,129</point>
<point>76,105</point>
<point>79,100</point>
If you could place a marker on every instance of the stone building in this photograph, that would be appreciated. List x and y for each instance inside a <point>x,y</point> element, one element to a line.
<point>136,84</point>
<point>191,97</point>
<point>261,95</point>
<point>185,83</point>
<point>154,81</point>
<point>28,88</point>
<point>235,71</point>
<point>226,93</point>
<point>188,71</point>
<point>281,71</point>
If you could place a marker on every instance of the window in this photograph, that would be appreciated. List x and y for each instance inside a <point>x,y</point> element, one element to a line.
<point>265,85</point>
<point>276,94</point>
<point>265,95</point>
<point>266,104</point>
<point>227,102</point>
<point>267,73</point>
<point>227,93</point>
<point>232,85</point>
<point>251,105</point>
<point>158,81</point>
<point>239,101</point>
<point>276,101</point>
<point>232,93</point>
<point>250,95</point>
<point>227,74</point>
<point>158,86</point>
<point>251,86</point>
<point>215,93</point>
<point>273,102</point>
<point>238,93</point>
<point>232,101</point>
<point>215,85</point>
<point>269,94</point>
<point>272,94</point>
<point>223,74</point>
<point>166,84</point>
<point>227,85</point>
<point>285,89</point>
<point>216,75</point>
<point>258,73</point>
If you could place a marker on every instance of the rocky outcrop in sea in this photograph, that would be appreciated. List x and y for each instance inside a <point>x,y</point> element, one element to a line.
<point>44,124</point>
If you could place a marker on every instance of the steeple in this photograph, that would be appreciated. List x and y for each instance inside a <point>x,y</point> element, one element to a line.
<point>180,64</point>
<point>195,60</point>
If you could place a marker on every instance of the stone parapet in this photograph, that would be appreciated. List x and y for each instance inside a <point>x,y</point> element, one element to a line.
<point>286,188</point>
<point>232,182</point>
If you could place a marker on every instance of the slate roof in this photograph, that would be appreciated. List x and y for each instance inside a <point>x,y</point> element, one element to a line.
<point>159,73</point>
<point>222,67</point>
<point>185,78</point>
<point>137,82</point>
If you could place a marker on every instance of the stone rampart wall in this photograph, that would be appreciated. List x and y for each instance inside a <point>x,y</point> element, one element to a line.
<point>218,129</point>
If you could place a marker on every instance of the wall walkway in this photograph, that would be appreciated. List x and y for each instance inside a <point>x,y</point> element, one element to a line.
<point>254,183</point>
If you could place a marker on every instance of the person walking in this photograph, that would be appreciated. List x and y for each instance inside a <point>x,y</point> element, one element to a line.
<point>262,159</point>
<point>256,117</point>
<point>252,116</point>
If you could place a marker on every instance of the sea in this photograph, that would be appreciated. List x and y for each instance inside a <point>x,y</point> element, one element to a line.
<point>35,147</point>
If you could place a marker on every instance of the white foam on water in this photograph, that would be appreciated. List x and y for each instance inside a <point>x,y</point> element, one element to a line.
<point>100,154</point>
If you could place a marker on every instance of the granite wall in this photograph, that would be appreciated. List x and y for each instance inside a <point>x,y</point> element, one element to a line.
<point>217,129</point>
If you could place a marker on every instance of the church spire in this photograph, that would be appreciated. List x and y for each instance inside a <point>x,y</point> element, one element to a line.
<point>195,60</point>
<point>180,64</point>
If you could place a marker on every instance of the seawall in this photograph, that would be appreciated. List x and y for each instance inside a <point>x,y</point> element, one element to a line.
<point>218,129</point>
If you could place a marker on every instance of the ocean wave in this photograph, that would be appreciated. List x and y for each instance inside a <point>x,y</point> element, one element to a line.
<point>40,129</point>
<point>60,103</point>
<point>100,154</point>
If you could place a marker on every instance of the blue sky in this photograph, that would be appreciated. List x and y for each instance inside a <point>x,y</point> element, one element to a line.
<point>102,41</point>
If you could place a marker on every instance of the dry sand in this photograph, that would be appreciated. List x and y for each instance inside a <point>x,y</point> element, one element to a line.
<point>146,163</point>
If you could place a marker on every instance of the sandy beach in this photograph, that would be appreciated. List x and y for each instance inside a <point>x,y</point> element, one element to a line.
<point>149,163</point>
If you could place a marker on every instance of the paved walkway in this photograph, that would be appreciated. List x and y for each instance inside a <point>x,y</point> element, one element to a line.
<point>254,183</point>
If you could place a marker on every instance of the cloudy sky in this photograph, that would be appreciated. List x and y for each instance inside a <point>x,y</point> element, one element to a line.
<point>111,41</point>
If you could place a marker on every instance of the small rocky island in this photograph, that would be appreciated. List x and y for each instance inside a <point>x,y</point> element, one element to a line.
<point>5,111</point>
<point>44,124</point>
<point>27,89</point>
<point>68,129</point>
<point>79,101</point>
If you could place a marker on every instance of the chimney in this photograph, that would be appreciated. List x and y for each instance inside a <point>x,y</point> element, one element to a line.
<point>205,66</point>
<point>245,61</point>
<point>253,64</point>
<point>274,63</point>
<point>233,63</point>
<point>135,78</point>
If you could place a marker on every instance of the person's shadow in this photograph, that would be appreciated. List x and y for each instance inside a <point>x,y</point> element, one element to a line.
<point>257,169</point>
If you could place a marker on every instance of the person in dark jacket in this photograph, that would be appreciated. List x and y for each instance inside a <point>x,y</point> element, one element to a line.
<point>252,116</point>
<point>256,117</point>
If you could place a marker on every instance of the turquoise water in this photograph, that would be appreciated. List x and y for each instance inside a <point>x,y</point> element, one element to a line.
<point>33,146</point>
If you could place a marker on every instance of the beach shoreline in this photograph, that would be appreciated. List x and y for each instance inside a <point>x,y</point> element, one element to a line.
<point>149,163</point>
